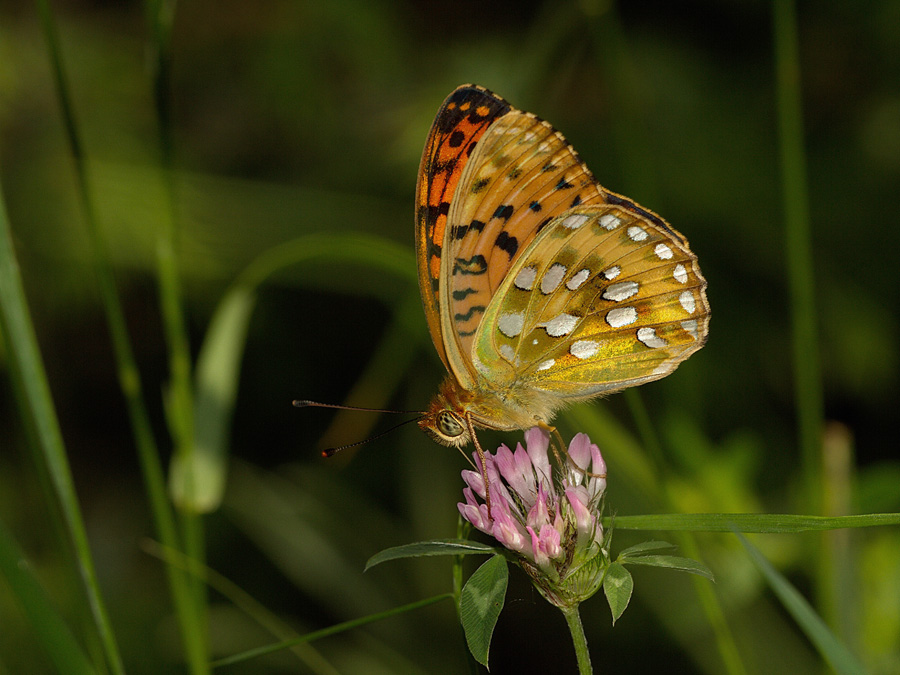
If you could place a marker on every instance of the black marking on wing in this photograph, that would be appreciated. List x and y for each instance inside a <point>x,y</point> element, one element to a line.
<point>548,167</point>
<point>535,206</point>
<point>468,315</point>
<point>506,243</point>
<point>461,294</point>
<point>504,211</point>
<point>480,184</point>
<point>474,265</point>
<point>460,231</point>
<point>514,173</point>
<point>456,139</point>
<point>576,201</point>
<point>634,208</point>
<point>563,184</point>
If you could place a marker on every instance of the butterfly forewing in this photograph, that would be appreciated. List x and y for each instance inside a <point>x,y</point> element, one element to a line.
<point>602,299</point>
<point>464,116</point>
<point>521,175</point>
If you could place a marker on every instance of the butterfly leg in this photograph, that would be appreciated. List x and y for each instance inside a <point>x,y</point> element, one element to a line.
<point>481,460</point>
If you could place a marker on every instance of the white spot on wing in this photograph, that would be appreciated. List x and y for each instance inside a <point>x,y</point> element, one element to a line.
<point>575,221</point>
<point>621,316</point>
<point>636,233</point>
<point>525,278</point>
<point>510,324</point>
<point>552,278</point>
<point>609,221</point>
<point>546,365</point>
<point>612,272</point>
<point>680,274</point>
<point>575,282</point>
<point>507,353</point>
<point>584,349</point>
<point>561,325</point>
<point>620,291</point>
<point>649,337</point>
<point>663,252</point>
<point>687,301</point>
<point>690,327</point>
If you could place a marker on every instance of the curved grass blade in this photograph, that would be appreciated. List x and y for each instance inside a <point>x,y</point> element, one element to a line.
<point>198,478</point>
<point>832,650</point>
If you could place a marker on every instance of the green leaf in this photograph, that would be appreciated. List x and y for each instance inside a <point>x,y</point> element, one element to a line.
<point>422,549</point>
<point>480,604</point>
<point>617,586</point>
<point>673,562</point>
<point>749,522</point>
<point>832,650</point>
<point>198,479</point>
<point>640,549</point>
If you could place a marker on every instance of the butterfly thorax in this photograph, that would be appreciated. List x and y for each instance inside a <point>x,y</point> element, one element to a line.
<point>507,410</point>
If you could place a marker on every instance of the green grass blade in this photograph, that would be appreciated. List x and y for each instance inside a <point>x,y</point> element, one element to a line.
<point>198,479</point>
<point>51,630</point>
<point>748,522</point>
<point>807,375</point>
<point>832,650</point>
<point>37,403</point>
<point>331,630</point>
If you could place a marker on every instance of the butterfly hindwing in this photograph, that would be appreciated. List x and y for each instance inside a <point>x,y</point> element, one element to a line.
<point>603,298</point>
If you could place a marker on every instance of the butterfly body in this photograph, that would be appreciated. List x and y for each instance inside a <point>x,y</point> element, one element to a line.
<point>541,288</point>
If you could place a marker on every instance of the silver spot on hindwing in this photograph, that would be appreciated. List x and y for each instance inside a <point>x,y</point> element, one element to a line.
<point>584,349</point>
<point>620,291</point>
<point>510,324</point>
<point>649,337</point>
<point>621,316</point>
<point>560,325</point>
<point>552,278</point>
<point>575,282</point>
<point>525,278</point>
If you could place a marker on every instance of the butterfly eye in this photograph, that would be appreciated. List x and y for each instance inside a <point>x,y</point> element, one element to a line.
<point>449,424</point>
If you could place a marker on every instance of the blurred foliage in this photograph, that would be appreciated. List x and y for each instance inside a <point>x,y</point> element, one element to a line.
<point>293,118</point>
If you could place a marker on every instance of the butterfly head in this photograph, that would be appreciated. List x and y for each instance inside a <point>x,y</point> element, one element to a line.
<point>445,419</point>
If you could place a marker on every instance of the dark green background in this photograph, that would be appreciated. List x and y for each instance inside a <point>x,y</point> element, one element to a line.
<point>291,118</point>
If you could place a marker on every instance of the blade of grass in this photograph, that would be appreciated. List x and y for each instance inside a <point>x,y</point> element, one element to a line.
<point>180,410</point>
<point>808,396</point>
<point>246,603</point>
<point>52,632</point>
<point>198,480</point>
<point>331,630</point>
<point>748,522</point>
<point>832,650</point>
<point>127,371</point>
<point>28,369</point>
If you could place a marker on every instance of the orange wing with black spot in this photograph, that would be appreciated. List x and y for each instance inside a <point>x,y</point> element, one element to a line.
<point>462,119</point>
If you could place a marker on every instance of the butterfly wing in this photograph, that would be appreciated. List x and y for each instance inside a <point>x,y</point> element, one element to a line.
<point>520,174</point>
<point>462,119</point>
<point>604,298</point>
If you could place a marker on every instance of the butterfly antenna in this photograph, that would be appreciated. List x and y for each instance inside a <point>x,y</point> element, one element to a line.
<point>330,452</point>
<point>316,404</point>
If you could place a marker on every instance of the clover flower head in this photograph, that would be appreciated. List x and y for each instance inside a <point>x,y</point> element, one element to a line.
<point>549,515</point>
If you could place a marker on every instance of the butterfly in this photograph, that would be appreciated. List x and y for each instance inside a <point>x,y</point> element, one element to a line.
<point>541,287</point>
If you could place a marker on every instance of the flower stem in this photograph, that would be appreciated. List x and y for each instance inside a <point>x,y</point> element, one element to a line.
<point>573,619</point>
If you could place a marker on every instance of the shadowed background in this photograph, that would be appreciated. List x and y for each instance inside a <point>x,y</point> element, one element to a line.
<point>293,119</point>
